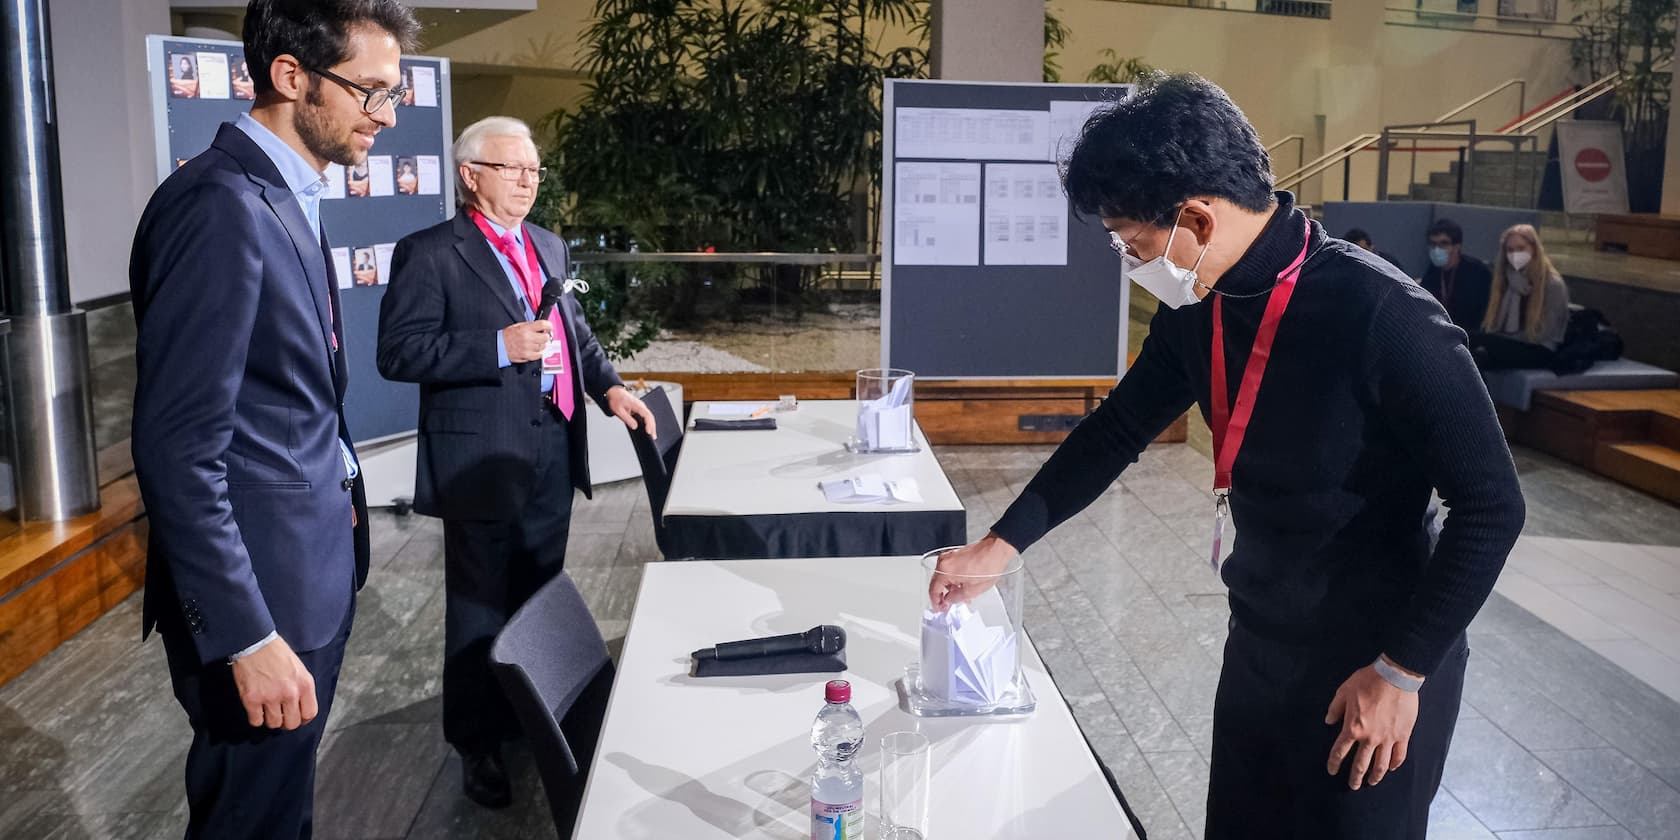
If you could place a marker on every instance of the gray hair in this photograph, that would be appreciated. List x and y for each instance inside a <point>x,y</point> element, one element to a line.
<point>470,145</point>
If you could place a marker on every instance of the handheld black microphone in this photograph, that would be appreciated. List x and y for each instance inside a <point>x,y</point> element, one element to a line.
<point>553,291</point>
<point>823,639</point>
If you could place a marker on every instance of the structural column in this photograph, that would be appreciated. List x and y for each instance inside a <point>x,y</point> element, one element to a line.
<point>988,40</point>
<point>48,391</point>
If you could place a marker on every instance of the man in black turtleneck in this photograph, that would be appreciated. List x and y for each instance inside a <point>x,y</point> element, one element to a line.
<point>1345,660</point>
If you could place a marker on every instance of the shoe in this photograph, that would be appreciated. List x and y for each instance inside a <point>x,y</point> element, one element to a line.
<point>484,779</point>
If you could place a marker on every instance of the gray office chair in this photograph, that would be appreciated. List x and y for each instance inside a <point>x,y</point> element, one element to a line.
<point>658,459</point>
<point>555,671</point>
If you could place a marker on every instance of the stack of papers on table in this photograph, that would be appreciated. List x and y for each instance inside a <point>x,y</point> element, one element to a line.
<point>965,658</point>
<point>871,488</point>
<point>885,423</point>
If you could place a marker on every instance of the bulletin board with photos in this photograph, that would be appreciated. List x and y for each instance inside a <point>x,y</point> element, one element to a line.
<point>403,187</point>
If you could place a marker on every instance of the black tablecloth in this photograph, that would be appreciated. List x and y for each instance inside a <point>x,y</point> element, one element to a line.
<point>838,534</point>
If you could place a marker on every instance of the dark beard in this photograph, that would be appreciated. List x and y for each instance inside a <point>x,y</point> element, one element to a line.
<point>310,122</point>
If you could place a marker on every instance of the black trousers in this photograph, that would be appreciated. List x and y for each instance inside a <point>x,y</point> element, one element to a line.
<point>1271,745</point>
<point>490,570</point>
<point>247,781</point>
<point>1496,352</point>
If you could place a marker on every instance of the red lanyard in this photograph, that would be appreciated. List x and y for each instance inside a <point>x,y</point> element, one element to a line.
<point>1230,426</point>
<point>522,263</point>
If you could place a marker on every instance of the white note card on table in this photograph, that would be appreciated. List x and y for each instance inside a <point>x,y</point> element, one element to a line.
<point>871,488</point>
<point>725,409</point>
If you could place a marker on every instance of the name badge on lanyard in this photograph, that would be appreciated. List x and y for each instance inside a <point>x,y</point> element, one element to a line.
<point>1230,423</point>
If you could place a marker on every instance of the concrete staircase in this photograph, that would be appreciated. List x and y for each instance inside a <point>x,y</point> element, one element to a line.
<point>1500,179</point>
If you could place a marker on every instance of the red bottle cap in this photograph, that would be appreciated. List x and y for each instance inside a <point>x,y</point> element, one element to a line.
<point>838,691</point>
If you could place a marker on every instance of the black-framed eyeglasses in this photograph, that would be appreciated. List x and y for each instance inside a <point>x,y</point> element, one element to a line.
<point>513,171</point>
<point>376,98</point>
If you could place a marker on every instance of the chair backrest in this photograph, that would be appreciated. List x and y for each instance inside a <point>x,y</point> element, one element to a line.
<point>556,672</point>
<point>658,457</point>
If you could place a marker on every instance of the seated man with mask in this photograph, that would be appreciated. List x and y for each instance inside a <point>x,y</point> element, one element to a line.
<point>1456,279</point>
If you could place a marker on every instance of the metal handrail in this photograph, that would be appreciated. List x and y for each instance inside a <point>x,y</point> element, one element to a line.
<point>1522,99</point>
<point>1300,148</point>
<point>1544,118</point>
<point>1322,163</point>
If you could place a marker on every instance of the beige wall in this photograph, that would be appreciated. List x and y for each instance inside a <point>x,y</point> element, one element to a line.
<point>99,74</point>
<point>1325,80</point>
<point>1354,73</point>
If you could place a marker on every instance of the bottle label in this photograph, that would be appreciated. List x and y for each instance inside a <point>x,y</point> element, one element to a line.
<point>837,820</point>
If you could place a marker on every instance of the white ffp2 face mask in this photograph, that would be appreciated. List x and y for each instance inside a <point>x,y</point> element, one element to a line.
<point>1518,259</point>
<point>1175,286</point>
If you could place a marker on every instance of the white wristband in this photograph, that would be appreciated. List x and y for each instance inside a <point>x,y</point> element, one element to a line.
<point>1396,677</point>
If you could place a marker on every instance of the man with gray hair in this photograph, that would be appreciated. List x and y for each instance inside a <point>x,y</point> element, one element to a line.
<point>471,316</point>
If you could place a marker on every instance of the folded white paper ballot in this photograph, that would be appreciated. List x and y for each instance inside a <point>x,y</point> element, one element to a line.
<point>871,488</point>
<point>969,652</point>
<point>885,423</point>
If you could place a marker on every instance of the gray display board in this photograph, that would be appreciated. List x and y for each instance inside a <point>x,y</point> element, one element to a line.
<point>986,273</point>
<point>408,184</point>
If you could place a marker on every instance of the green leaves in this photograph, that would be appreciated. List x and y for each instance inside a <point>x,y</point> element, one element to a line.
<point>742,125</point>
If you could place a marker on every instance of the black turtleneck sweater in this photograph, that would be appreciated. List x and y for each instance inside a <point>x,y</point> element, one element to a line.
<point>1370,400</point>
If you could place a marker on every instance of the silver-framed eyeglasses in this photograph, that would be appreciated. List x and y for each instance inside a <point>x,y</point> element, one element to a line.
<point>513,172</point>
<point>374,98</point>
<point>1123,248</point>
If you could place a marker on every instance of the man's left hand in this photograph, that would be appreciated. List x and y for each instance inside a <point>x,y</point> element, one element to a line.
<point>1377,721</point>
<point>626,407</point>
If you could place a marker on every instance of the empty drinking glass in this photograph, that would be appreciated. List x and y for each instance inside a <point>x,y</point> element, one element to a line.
<point>905,768</point>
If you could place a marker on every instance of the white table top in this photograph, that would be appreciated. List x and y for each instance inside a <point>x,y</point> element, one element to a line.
<point>739,473</point>
<point>730,757</point>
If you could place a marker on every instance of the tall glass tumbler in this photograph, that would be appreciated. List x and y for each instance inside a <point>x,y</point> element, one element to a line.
<point>906,766</point>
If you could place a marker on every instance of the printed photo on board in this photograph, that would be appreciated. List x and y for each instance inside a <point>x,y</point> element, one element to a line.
<point>183,76</point>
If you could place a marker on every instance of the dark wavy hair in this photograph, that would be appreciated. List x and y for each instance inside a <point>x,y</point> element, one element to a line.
<point>1177,137</point>
<point>316,32</point>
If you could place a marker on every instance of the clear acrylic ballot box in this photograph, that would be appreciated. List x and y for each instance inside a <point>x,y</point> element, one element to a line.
<point>971,653</point>
<point>886,417</point>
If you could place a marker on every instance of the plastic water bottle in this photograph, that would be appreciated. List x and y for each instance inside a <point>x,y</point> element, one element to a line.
<point>837,784</point>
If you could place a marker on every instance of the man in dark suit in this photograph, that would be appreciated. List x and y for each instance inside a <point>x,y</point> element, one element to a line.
<point>258,534</point>
<point>502,422</point>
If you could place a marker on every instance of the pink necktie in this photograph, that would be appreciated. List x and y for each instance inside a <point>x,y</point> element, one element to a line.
<point>562,394</point>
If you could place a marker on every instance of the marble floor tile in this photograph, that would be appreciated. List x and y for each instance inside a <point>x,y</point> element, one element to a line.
<point>1510,702</point>
<point>1507,788</point>
<point>1641,802</point>
<point>1566,615</point>
<point>1450,820</point>
<point>1601,833</point>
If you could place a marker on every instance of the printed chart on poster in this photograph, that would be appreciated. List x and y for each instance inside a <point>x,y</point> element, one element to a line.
<point>197,85</point>
<point>986,273</point>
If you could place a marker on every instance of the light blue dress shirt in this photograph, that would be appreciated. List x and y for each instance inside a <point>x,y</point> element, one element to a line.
<point>502,359</point>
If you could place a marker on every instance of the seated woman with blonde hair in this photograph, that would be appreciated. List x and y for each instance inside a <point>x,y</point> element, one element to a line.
<point>1528,306</point>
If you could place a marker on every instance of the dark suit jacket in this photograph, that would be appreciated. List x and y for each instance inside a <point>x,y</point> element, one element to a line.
<point>238,411</point>
<point>448,299</point>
